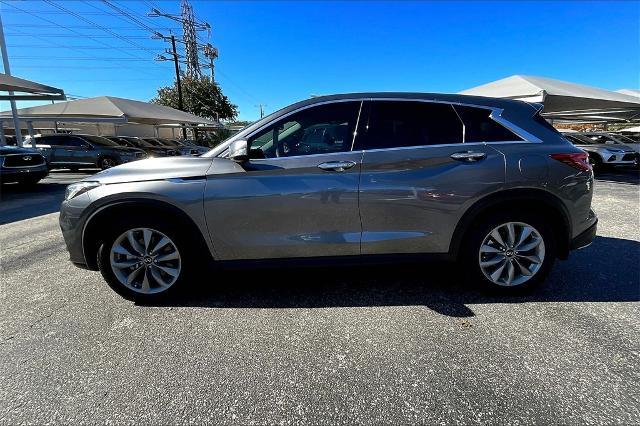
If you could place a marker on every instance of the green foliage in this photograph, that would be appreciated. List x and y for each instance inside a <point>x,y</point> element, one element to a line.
<point>200,97</point>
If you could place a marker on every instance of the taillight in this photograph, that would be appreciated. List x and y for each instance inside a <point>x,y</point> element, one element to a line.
<point>577,160</point>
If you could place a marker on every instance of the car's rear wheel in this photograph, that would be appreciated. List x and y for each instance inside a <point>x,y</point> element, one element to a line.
<point>144,260</point>
<point>510,253</point>
<point>106,163</point>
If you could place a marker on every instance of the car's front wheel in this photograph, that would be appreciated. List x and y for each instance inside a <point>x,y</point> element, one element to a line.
<point>511,252</point>
<point>144,261</point>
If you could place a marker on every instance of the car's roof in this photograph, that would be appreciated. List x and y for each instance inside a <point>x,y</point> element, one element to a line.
<point>442,97</point>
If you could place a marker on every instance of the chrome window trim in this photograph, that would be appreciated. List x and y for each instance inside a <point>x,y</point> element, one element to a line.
<point>461,145</point>
<point>495,115</point>
<point>324,154</point>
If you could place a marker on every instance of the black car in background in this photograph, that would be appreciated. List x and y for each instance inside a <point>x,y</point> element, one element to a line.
<point>150,149</point>
<point>63,150</point>
<point>22,165</point>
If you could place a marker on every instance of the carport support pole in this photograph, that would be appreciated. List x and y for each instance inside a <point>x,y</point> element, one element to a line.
<point>7,71</point>
<point>31,133</point>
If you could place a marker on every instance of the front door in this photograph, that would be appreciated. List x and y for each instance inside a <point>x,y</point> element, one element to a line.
<point>423,165</point>
<point>297,196</point>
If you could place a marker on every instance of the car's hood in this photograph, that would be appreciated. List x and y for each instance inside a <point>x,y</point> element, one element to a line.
<point>4,150</point>
<point>165,168</point>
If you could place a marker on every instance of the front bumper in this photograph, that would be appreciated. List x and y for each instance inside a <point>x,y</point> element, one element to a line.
<point>71,222</point>
<point>17,174</point>
<point>622,159</point>
<point>585,238</point>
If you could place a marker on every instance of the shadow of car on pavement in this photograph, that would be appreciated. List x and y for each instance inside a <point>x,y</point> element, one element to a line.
<point>590,275</point>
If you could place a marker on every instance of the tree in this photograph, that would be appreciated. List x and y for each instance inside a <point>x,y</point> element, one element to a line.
<point>200,97</point>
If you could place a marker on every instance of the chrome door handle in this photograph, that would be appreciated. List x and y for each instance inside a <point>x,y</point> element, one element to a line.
<point>336,166</point>
<point>468,156</point>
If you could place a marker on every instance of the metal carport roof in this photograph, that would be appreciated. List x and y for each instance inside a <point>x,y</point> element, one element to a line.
<point>28,90</point>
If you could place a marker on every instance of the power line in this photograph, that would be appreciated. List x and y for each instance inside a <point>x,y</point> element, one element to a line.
<point>88,21</point>
<point>62,26</point>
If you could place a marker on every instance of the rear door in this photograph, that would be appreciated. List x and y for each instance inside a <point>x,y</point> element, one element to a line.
<point>421,169</point>
<point>298,194</point>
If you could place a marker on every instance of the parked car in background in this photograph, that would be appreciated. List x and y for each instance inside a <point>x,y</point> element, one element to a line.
<point>603,151</point>
<point>22,165</point>
<point>615,138</point>
<point>63,150</point>
<point>185,147</point>
<point>149,149</point>
<point>485,181</point>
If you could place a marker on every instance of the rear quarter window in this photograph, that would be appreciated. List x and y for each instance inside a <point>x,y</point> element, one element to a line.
<point>480,127</point>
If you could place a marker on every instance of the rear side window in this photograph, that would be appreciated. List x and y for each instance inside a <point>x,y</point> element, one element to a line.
<point>394,124</point>
<point>480,127</point>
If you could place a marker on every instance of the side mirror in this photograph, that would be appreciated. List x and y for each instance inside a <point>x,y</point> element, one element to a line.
<point>238,151</point>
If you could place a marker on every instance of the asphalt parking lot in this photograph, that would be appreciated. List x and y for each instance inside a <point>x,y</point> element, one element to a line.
<point>376,344</point>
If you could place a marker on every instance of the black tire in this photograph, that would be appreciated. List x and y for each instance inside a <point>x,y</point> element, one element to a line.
<point>106,162</point>
<point>32,181</point>
<point>182,242</point>
<point>596,162</point>
<point>471,250</point>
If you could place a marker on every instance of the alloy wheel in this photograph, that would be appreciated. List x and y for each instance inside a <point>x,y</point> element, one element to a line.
<point>145,260</point>
<point>511,254</point>
<point>107,163</point>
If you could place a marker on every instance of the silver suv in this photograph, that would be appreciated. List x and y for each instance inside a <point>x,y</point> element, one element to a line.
<point>484,181</point>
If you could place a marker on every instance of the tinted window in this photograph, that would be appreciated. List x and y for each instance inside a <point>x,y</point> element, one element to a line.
<point>99,140</point>
<point>48,141</point>
<point>316,130</point>
<point>401,123</point>
<point>71,141</point>
<point>480,127</point>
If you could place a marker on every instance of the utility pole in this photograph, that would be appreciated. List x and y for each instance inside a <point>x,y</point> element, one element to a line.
<point>7,71</point>
<point>178,82</point>
<point>261,106</point>
<point>211,53</point>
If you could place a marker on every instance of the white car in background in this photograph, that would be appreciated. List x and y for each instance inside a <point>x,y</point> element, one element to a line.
<point>631,140</point>
<point>603,150</point>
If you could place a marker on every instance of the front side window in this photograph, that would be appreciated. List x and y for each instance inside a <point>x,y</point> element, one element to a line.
<point>393,124</point>
<point>322,129</point>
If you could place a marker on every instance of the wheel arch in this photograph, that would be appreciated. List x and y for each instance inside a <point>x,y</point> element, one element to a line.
<point>536,200</point>
<point>91,237</point>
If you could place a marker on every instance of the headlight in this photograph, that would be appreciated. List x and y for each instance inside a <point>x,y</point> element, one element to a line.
<point>78,188</point>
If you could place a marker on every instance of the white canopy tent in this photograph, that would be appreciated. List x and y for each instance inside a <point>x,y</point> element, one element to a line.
<point>108,109</point>
<point>630,92</point>
<point>563,100</point>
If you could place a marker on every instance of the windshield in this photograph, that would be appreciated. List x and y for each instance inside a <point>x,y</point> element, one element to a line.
<point>99,140</point>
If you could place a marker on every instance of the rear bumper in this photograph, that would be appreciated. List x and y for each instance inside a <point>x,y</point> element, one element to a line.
<point>585,238</point>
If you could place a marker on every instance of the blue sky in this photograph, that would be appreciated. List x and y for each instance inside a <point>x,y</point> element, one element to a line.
<point>278,52</point>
